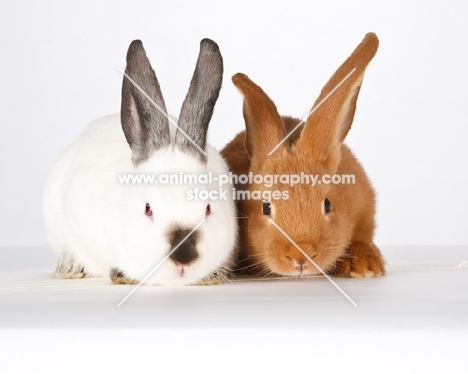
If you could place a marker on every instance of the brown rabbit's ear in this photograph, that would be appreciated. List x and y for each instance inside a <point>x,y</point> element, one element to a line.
<point>328,125</point>
<point>264,127</point>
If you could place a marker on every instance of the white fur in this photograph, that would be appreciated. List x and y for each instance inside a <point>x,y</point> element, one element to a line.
<point>88,214</point>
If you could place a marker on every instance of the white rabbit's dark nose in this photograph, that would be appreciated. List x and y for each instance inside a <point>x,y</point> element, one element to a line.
<point>187,246</point>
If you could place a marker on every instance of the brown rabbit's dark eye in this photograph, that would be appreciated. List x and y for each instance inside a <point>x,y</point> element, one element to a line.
<point>327,206</point>
<point>208,210</point>
<point>148,210</point>
<point>266,208</point>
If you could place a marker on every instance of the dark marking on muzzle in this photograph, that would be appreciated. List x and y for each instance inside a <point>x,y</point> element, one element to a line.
<point>187,251</point>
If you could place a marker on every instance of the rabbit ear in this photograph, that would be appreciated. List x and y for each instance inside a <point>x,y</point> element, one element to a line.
<point>328,125</point>
<point>199,103</point>
<point>146,126</point>
<point>264,127</point>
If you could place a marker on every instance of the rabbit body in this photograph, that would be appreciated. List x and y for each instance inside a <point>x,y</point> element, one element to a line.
<point>99,226</point>
<point>323,228</point>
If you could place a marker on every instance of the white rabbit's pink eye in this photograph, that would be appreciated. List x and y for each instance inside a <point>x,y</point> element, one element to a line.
<point>208,210</point>
<point>148,210</point>
<point>266,208</point>
<point>327,206</point>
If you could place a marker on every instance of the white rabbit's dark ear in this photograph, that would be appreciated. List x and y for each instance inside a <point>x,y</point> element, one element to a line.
<point>145,124</point>
<point>199,103</point>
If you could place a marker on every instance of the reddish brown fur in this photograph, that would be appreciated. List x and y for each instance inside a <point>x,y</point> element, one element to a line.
<point>341,242</point>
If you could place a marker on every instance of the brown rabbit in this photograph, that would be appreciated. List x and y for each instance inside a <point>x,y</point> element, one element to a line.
<point>333,224</point>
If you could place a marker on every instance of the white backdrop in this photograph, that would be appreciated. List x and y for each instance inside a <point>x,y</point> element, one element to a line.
<point>59,64</point>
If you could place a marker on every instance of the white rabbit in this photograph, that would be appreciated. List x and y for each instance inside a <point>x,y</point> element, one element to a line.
<point>100,227</point>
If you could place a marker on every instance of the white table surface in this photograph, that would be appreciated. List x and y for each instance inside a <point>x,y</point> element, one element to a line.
<point>422,300</point>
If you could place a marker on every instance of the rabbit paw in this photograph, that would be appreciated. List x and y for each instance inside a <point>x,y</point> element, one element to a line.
<point>69,268</point>
<point>118,277</point>
<point>214,279</point>
<point>362,260</point>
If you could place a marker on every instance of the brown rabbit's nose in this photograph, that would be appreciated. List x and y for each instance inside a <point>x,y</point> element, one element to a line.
<point>300,265</point>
